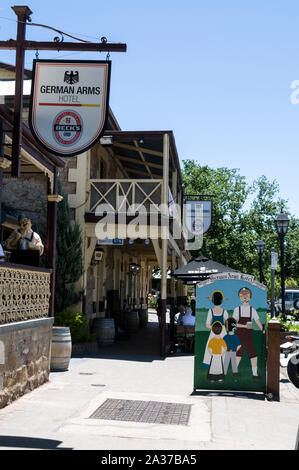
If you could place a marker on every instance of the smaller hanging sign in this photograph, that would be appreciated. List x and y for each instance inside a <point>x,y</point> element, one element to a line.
<point>69,104</point>
<point>274,259</point>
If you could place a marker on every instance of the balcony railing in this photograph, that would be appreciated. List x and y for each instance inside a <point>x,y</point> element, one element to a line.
<point>120,195</point>
<point>24,292</point>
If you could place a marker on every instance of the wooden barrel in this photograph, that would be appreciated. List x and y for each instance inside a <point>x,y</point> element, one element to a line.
<point>132,321</point>
<point>104,329</point>
<point>61,348</point>
<point>143,317</point>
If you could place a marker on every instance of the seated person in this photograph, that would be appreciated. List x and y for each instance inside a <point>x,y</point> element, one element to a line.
<point>24,237</point>
<point>180,315</point>
<point>188,318</point>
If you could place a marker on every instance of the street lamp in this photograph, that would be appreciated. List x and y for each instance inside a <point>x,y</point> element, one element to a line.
<point>260,247</point>
<point>134,268</point>
<point>282,224</point>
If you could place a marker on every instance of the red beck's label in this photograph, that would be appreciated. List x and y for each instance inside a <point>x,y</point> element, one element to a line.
<point>67,127</point>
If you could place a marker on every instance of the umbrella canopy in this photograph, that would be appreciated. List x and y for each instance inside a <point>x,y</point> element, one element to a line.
<point>199,269</point>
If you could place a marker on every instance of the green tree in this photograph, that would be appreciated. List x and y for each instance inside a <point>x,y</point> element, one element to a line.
<point>230,190</point>
<point>242,214</point>
<point>69,264</point>
<point>292,253</point>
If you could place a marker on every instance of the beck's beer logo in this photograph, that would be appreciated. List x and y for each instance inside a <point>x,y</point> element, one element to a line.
<point>69,104</point>
<point>67,127</point>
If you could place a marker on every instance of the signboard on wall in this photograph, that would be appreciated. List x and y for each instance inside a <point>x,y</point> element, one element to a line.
<point>69,104</point>
<point>110,241</point>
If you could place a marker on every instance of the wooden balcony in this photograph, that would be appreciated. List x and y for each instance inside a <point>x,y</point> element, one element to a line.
<point>141,195</point>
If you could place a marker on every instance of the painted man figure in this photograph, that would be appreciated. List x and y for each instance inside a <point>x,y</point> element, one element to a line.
<point>244,314</point>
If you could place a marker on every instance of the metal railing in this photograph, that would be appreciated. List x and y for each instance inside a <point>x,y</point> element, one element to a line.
<point>24,293</point>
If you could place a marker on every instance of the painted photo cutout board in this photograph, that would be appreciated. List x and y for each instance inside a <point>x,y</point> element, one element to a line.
<point>230,336</point>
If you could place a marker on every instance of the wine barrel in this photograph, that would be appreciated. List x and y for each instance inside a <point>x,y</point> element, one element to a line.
<point>132,321</point>
<point>143,317</point>
<point>104,329</point>
<point>61,348</point>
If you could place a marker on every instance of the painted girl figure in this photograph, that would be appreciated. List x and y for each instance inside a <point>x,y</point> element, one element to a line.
<point>217,349</point>
<point>217,313</point>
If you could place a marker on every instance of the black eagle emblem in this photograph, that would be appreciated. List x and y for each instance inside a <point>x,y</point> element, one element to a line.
<point>71,77</point>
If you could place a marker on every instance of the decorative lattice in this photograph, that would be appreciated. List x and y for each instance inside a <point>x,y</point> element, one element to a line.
<point>24,295</point>
<point>143,195</point>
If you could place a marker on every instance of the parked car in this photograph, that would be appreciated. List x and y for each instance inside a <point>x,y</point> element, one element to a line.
<point>291,299</point>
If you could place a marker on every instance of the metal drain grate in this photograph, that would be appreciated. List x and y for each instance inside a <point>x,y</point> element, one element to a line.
<point>143,411</point>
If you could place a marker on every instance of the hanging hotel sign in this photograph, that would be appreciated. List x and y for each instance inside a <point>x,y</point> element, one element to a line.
<point>69,104</point>
<point>198,216</point>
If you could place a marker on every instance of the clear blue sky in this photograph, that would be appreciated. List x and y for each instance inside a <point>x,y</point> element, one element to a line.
<point>218,73</point>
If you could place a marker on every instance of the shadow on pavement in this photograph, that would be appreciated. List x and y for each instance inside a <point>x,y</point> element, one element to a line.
<point>142,345</point>
<point>31,443</point>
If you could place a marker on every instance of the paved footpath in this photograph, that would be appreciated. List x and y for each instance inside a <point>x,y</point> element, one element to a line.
<point>57,414</point>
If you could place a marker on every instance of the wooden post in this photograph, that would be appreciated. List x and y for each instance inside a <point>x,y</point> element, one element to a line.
<point>51,239</point>
<point>23,13</point>
<point>1,186</point>
<point>1,158</point>
<point>4,162</point>
<point>164,229</point>
<point>273,358</point>
<point>173,263</point>
<point>172,294</point>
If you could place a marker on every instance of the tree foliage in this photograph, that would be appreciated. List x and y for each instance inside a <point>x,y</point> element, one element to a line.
<point>242,213</point>
<point>69,264</point>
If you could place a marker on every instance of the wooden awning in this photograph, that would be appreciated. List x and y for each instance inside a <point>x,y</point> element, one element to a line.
<point>140,153</point>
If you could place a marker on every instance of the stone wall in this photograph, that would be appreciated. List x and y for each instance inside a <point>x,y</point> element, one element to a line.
<point>68,187</point>
<point>27,195</point>
<point>25,349</point>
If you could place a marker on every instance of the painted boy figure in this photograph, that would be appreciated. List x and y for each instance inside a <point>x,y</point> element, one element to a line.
<point>217,348</point>
<point>244,315</point>
<point>233,344</point>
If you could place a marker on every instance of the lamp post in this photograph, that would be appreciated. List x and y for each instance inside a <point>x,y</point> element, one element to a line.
<point>134,268</point>
<point>282,224</point>
<point>260,247</point>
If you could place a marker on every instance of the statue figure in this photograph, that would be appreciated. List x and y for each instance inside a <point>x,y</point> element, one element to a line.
<point>24,238</point>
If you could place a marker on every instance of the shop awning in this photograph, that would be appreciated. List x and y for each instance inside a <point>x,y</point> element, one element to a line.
<point>140,153</point>
<point>200,269</point>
